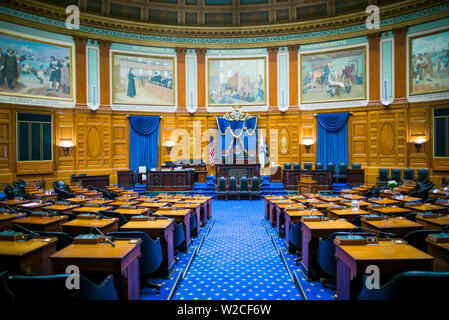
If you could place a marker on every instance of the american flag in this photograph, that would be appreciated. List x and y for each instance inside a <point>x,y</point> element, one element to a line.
<point>211,152</point>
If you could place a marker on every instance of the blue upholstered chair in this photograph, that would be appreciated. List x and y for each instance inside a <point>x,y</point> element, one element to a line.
<point>151,255</point>
<point>417,238</point>
<point>111,214</point>
<point>410,286</point>
<point>331,166</point>
<point>296,238</point>
<point>232,188</point>
<point>255,187</point>
<point>64,239</point>
<point>287,166</point>
<point>296,166</point>
<point>382,179</point>
<point>356,166</point>
<point>221,187</point>
<point>178,237</point>
<point>54,288</point>
<point>396,175</point>
<point>318,166</point>
<point>408,174</point>
<point>357,221</point>
<point>307,166</point>
<point>342,172</point>
<point>423,175</point>
<point>326,254</point>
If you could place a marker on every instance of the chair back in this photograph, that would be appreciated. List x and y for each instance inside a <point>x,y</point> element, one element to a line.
<point>255,184</point>
<point>193,218</point>
<point>54,288</point>
<point>356,166</point>
<point>111,214</point>
<point>64,239</point>
<point>417,238</point>
<point>150,250</point>
<point>357,221</point>
<point>318,166</point>
<point>287,166</point>
<point>326,251</point>
<point>342,169</point>
<point>232,184</point>
<point>307,166</point>
<point>383,174</point>
<point>410,285</point>
<point>296,166</point>
<point>243,184</point>
<point>408,174</point>
<point>423,175</point>
<point>178,235</point>
<point>222,184</point>
<point>331,166</point>
<point>396,174</point>
<point>296,235</point>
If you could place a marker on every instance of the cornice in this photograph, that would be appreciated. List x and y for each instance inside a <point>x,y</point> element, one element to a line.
<point>52,18</point>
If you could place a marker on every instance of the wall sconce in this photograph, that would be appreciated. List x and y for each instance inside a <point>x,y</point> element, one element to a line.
<point>307,143</point>
<point>418,143</point>
<point>169,144</point>
<point>66,145</point>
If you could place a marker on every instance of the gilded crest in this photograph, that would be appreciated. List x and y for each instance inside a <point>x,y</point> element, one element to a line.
<point>237,114</point>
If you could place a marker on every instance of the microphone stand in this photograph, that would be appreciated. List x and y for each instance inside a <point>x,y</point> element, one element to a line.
<point>105,237</point>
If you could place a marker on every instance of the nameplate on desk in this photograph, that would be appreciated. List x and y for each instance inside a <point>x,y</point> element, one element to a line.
<point>41,214</point>
<point>11,236</point>
<point>350,240</point>
<point>429,215</point>
<point>88,238</point>
<point>442,237</point>
<point>141,218</point>
<point>373,217</point>
<point>311,219</point>
<point>88,216</point>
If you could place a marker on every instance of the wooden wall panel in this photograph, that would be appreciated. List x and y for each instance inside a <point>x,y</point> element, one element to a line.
<point>308,131</point>
<point>6,147</point>
<point>418,120</point>
<point>120,142</point>
<point>284,133</point>
<point>358,138</point>
<point>64,128</point>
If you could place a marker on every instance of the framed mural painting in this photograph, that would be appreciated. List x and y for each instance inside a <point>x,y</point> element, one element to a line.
<point>429,63</point>
<point>331,76</point>
<point>237,81</point>
<point>31,68</point>
<point>143,79</point>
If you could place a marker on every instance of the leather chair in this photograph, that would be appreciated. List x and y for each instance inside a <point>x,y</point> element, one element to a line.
<point>111,214</point>
<point>318,166</point>
<point>396,175</point>
<point>382,179</point>
<point>356,166</point>
<point>287,166</point>
<point>232,188</point>
<point>409,286</point>
<point>342,172</point>
<point>221,187</point>
<point>417,238</point>
<point>408,174</point>
<point>151,255</point>
<point>331,166</point>
<point>255,188</point>
<point>296,239</point>
<point>423,175</point>
<point>243,190</point>
<point>54,288</point>
<point>296,166</point>
<point>307,166</point>
<point>178,237</point>
<point>64,239</point>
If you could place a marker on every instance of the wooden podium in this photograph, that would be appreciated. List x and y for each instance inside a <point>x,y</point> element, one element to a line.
<point>307,184</point>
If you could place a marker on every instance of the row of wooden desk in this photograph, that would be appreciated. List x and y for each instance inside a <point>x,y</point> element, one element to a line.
<point>321,216</point>
<point>39,256</point>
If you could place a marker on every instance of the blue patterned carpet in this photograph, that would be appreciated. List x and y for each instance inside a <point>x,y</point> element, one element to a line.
<point>238,259</point>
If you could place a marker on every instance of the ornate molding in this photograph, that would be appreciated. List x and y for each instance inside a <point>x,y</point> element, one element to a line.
<point>237,114</point>
<point>52,18</point>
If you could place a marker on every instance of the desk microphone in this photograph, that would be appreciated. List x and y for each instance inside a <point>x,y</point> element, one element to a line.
<point>106,238</point>
<point>377,231</point>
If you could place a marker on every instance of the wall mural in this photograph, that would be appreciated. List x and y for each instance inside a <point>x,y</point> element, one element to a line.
<point>429,63</point>
<point>143,79</point>
<point>331,76</point>
<point>240,81</point>
<point>35,69</point>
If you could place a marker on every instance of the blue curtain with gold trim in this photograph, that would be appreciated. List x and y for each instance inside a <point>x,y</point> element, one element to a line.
<point>332,138</point>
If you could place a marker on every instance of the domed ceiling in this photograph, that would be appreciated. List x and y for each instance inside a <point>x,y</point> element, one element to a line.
<point>220,12</point>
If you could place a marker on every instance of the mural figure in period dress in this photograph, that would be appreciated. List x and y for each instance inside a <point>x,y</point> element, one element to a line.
<point>131,92</point>
<point>10,68</point>
<point>55,74</point>
<point>65,75</point>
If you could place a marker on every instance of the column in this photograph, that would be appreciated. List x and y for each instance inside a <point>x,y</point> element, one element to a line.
<point>400,65</point>
<point>273,78</point>
<point>80,71</point>
<point>181,83</point>
<point>201,67</point>
<point>374,68</point>
<point>105,94</point>
<point>293,71</point>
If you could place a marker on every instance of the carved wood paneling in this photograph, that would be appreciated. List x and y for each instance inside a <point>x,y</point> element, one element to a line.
<point>6,149</point>
<point>358,138</point>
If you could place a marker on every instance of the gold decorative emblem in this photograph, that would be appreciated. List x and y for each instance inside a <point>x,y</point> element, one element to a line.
<point>237,114</point>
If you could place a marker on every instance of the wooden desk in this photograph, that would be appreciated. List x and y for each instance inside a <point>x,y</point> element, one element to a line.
<point>322,206</point>
<point>354,197</point>
<point>440,251</point>
<point>170,180</point>
<point>100,181</point>
<point>273,211</point>
<point>307,184</point>
<point>5,219</point>
<point>122,203</point>
<point>13,202</point>
<point>392,211</point>
<point>42,223</point>
<point>268,204</point>
<point>179,216</point>
<point>83,226</point>
<point>443,203</point>
<point>29,257</point>
<point>34,206</point>
<point>347,214</point>
<point>311,231</point>
<point>91,209</point>
<point>406,199</point>
<point>439,194</point>
<point>152,205</point>
<point>194,207</point>
<point>428,207</point>
<point>356,177</point>
<point>437,223</point>
<point>121,260</point>
<point>125,178</point>
<point>132,212</point>
<point>280,211</point>
<point>294,216</point>
<point>399,226</point>
<point>100,201</point>
<point>50,196</point>
<point>78,200</point>
<point>391,258</point>
<point>207,206</point>
<point>362,204</point>
<point>63,207</point>
<point>384,201</point>
<point>331,199</point>
<point>162,229</point>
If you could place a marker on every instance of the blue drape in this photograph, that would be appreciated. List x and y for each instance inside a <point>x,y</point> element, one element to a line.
<point>144,141</point>
<point>332,138</point>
